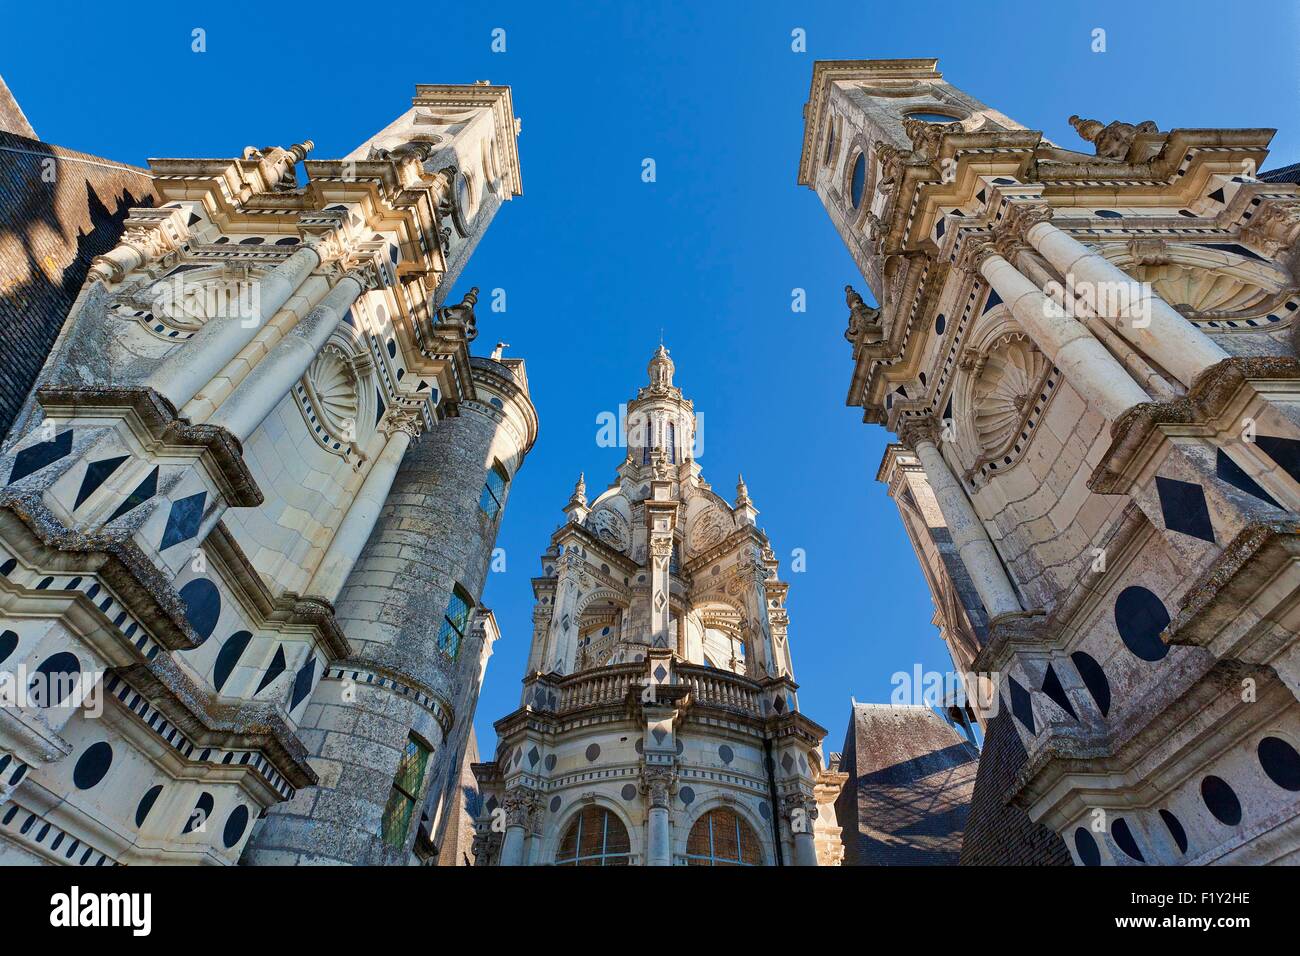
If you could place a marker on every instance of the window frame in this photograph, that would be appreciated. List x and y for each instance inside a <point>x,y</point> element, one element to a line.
<point>398,792</point>
<point>495,496</point>
<point>452,647</point>
<point>593,859</point>
<point>713,859</point>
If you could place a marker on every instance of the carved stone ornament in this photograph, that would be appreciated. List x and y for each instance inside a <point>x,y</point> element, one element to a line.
<point>521,805</point>
<point>1005,390</point>
<point>1113,141</point>
<point>658,783</point>
<point>862,317</point>
<point>610,527</point>
<point>914,430</point>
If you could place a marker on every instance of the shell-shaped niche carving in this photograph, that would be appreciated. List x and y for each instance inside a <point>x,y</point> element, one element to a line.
<point>1200,289</point>
<point>610,526</point>
<point>331,383</point>
<point>1012,375</point>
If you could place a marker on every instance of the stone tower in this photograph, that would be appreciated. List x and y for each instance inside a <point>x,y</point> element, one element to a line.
<point>659,722</point>
<point>1089,358</point>
<point>257,452</point>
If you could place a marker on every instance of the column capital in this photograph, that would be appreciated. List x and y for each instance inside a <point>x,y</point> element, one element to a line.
<point>401,420</point>
<point>1021,217</point>
<point>793,806</point>
<point>658,784</point>
<point>975,251</point>
<point>914,430</point>
<point>521,805</point>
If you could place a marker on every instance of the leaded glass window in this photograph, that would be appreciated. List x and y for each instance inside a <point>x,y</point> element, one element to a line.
<point>721,838</point>
<point>595,837</point>
<point>404,793</point>
<point>492,499</point>
<point>454,622</point>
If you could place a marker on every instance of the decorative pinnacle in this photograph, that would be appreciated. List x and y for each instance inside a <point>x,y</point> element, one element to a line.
<point>742,493</point>
<point>298,151</point>
<point>579,496</point>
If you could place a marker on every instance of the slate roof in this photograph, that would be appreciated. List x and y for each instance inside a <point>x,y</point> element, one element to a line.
<point>911,776</point>
<point>58,210</point>
<point>1283,174</point>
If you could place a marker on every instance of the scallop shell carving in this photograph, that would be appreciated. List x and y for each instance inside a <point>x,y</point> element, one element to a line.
<point>1007,386</point>
<point>332,385</point>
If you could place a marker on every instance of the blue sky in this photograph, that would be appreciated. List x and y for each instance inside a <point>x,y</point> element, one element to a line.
<point>595,262</point>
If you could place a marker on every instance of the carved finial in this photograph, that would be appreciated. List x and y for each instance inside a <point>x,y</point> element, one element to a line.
<point>463,314</point>
<point>661,368</point>
<point>579,496</point>
<point>496,352</point>
<point>742,493</point>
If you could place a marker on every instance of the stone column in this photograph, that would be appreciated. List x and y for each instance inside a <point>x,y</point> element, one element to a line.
<point>561,654</point>
<point>967,531</point>
<point>661,519</point>
<point>264,387</point>
<point>657,782</point>
<point>354,530</point>
<point>1081,358</point>
<point>192,366</point>
<point>800,812</point>
<point>520,803</point>
<point>1145,319</point>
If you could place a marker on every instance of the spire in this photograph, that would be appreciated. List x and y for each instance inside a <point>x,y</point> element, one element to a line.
<point>742,493</point>
<point>661,368</point>
<point>744,509</point>
<point>576,509</point>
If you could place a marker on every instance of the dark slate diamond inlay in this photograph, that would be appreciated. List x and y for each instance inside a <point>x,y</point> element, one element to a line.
<point>659,734</point>
<point>183,520</point>
<point>1225,469</point>
<point>1056,693</point>
<point>1284,451</point>
<point>1021,704</point>
<point>302,683</point>
<point>533,757</point>
<point>787,762</point>
<point>35,457</point>
<point>1183,506</point>
<point>275,670</point>
<point>143,492</point>
<point>550,761</point>
<point>660,673</point>
<point>97,472</point>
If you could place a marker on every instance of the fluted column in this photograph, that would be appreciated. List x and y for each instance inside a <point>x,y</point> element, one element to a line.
<point>1146,320</point>
<point>354,530</point>
<point>264,387</point>
<point>1084,361</point>
<point>185,372</point>
<point>964,526</point>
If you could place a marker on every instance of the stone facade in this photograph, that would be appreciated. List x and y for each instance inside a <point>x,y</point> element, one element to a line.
<point>255,468</point>
<point>1089,357</point>
<point>659,722</point>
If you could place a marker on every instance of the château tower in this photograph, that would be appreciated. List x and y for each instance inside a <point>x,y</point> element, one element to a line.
<point>248,506</point>
<point>659,722</point>
<point>1089,359</point>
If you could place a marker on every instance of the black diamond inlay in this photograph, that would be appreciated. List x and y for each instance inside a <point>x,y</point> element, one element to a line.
<point>1056,693</point>
<point>183,520</point>
<point>97,473</point>
<point>1021,705</point>
<point>35,457</point>
<point>1284,451</point>
<point>302,683</point>
<point>1094,678</point>
<point>143,492</point>
<point>1225,469</point>
<point>660,673</point>
<point>1183,506</point>
<point>275,670</point>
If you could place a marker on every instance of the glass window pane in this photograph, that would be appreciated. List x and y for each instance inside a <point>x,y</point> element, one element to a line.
<point>410,768</point>
<point>725,845</point>
<point>397,818</point>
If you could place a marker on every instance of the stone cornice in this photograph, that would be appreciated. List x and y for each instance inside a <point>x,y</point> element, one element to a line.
<point>164,425</point>
<point>1207,398</point>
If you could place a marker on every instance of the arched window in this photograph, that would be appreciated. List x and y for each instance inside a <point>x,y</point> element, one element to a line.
<point>595,837</point>
<point>454,622</point>
<point>672,443</point>
<point>404,793</point>
<point>493,497</point>
<point>721,838</point>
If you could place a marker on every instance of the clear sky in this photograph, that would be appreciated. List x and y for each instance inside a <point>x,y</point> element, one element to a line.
<point>595,262</point>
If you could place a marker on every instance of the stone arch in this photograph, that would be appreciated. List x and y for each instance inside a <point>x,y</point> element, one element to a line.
<point>725,799</point>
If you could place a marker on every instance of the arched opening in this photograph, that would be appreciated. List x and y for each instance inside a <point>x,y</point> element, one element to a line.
<point>722,838</point>
<point>595,837</point>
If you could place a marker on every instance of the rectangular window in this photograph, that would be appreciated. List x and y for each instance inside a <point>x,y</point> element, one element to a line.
<point>454,622</point>
<point>406,790</point>
<point>493,496</point>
